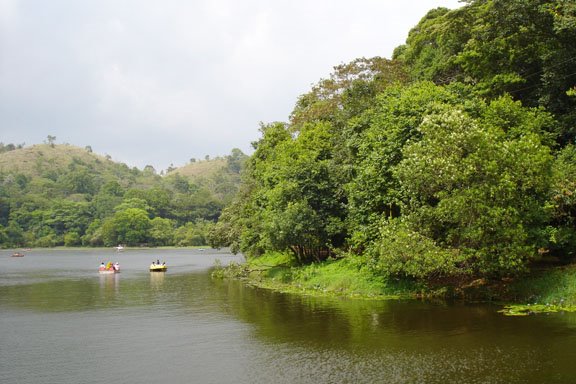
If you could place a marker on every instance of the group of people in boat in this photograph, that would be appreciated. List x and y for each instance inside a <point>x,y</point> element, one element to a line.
<point>156,266</point>
<point>109,266</point>
<point>157,263</point>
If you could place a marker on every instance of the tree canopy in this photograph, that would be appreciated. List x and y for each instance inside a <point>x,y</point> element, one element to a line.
<point>452,158</point>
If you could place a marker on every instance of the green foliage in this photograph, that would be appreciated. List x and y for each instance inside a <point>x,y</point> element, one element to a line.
<point>554,287</point>
<point>14,235</point>
<point>62,195</point>
<point>94,235</point>
<point>392,123</point>
<point>349,90</point>
<point>404,252</point>
<point>428,181</point>
<point>299,207</point>
<point>79,181</point>
<point>226,232</point>
<point>563,205</point>
<point>242,226</point>
<point>72,239</point>
<point>521,47</point>
<point>479,187</point>
<point>193,234</point>
<point>161,232</point>
<point>343,277</point>
<point>131,226</point>
<point>132,202</point>
<point>433,44</point>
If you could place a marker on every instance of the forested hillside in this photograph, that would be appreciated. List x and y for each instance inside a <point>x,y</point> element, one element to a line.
<point>64,195</point>
<point>453,158</point>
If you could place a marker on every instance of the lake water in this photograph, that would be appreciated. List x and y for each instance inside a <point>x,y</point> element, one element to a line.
<point>62,322</point>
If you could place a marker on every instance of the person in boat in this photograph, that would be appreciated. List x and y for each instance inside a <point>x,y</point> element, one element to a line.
<point>102,266</point>
<point>116,266</point>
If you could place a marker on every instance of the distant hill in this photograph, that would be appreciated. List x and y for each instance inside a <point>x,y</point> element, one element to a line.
<point>59,162</point>
<point>37,159</point>
<point>65,195</point>
<point>43,160</point>
<point>204,168</point>
<point>221,176</point>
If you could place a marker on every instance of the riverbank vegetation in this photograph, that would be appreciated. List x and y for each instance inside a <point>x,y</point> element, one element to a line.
<point>451,162</point>
<point>57,194</point>
<point>543,290</point>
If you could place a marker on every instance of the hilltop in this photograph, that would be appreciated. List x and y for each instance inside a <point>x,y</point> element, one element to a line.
<point>37,159</point>
<point>196,169</point>
<point>55,159</point>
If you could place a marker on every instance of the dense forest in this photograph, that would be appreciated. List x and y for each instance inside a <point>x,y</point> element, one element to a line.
<point>453,158</point>
<point>53,195</point>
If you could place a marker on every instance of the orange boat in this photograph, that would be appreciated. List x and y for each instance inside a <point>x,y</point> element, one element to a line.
<point>109,268</point>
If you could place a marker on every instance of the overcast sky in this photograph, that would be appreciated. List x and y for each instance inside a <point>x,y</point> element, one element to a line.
<point>153,82</point>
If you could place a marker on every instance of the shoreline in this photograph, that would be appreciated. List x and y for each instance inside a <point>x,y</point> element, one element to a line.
<point>542,291</point>
<point>65,248</point>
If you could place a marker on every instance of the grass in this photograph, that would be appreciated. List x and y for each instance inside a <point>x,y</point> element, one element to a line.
<point>550,290</point>
<point>343,277</point>
<point>33,160</point>
<point>203,168</point>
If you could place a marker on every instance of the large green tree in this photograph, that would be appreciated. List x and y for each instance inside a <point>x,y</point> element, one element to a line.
<point>389,125</point>
<point>131,226</point>
<point>304,204</point>
<point>521,47</point>
<point>479,185</point>
<point>453,173</point>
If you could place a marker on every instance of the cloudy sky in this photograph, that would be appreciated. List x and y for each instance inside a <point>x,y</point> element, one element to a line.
<point>153,82</point>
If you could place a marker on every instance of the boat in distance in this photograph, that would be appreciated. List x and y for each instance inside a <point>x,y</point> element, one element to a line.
<point>109,268</point>
<point>158,267</point>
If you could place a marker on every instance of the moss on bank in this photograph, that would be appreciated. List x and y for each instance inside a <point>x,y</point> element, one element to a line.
<point>548,290</point>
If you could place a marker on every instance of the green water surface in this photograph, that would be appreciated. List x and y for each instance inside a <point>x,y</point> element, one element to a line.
<point>62,322</point>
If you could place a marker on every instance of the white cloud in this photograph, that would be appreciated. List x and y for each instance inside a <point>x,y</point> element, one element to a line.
<point>161,82</point>
<point>8,14</point>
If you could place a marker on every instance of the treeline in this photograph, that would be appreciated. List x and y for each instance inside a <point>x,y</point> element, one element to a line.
<point>53,195</point>
<point>9,147</point>
<point>453,158</point>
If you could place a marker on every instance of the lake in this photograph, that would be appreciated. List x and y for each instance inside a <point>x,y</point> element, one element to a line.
<point>62,322</point>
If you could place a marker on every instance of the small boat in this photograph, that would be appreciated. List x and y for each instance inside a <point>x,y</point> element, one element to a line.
<point>109,268</point>
<point>107,271</point>
<point>158,267</point>
<point>17,254</point>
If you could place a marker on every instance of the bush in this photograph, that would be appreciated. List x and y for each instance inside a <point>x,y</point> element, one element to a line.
<point>72,239</point>
<point>404,252</point>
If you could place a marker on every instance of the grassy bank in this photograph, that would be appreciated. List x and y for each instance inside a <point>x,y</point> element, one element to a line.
<point>547,290</point>
<point>345,277</point>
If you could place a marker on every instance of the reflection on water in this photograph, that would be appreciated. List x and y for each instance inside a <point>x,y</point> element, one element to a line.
<point>156,280</point>
<point>109,287</point>
<point>405,341</point>
<point>58,317</point>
